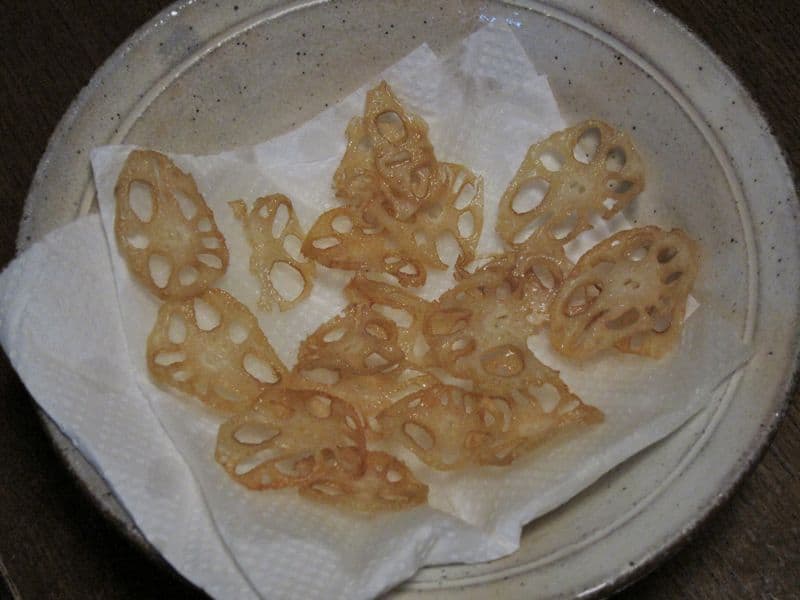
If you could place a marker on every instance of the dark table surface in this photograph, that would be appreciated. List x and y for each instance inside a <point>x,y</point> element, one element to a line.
<point>54,543</point>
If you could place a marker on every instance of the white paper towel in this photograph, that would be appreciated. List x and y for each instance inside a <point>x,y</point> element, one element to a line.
<point>485,105</point>
<point>60,326</point>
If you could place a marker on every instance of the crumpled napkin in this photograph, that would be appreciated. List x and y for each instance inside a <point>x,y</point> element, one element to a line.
<point>485,105</point>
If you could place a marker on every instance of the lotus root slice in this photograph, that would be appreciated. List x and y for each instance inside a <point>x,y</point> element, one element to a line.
<point>165,230</point>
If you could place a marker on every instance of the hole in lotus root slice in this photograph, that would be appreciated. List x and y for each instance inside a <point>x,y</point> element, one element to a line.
<point>641,280</point>
<point>405,309</point>
<point>187,205</point>
<point>586,147</point>
<point>615,160</point>
<point>599,163</point>
<point>188,275</point>
<point>140,198</point>
<point>159,269</point>
<point>286,279</point>
<point>364,248</point>
<point>367,345</point>
<point>387,484</point>
<point>447,249</point>
<point>444,426</point>
<point>298,441</point>
<point>530,195</point>
<point>227,365</point>
<point>403,155</point>
<point>177,231</point>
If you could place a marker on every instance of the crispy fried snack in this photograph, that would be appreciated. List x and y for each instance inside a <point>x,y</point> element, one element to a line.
<point>389,159</point>
<point>400,200</point>
<point>449,428</point>
<point>457,211</point>
<point>271,248</point>
<point>356,180</point>
<point>358,342</point>
<point>168,235</point>
<point>220,356</point>
<point>342,239</point>
<point>587,169</point>
<point>527,423</point>
<point>368,394</point>
<point>375,241</point>
<point>290,438</point>
<point>358,356</point>
<point>535,271</point>
<point>404,157</point>
<point>387,484</point>
<point>405,309</point>
<point>629,292</point>
<point>443,425</point>
<point>478,331</point>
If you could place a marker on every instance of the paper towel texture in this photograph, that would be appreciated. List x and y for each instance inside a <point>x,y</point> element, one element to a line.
<point>485,105</point>
<point>60,326</point>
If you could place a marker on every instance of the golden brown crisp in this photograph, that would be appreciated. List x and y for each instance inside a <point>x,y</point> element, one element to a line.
<point>629,292</point>
<point>589,169</point>
<point>164,228</point>
<point>387,484</point>
<point>404,308</point>
<point>389,159</point>
<point>211,347</point>
<point>449,428</point>
<point>457,212</point>
<point>358,356</point>
<point>290,438</point>
<point>368,394</point>
<point>369,239</point>
<point>275,237</point>
<point>478,331</point>
<point>341,238</point>
<point>535,270</point>
<point>360,341</point>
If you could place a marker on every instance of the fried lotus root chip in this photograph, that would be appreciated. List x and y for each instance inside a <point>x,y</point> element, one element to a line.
<point>629,291</point>
<point>535,271</point>
<point>526,422</point>
<point>388,158</point>
<point>457,211</point>
<point>448,428</point>
<point>368,394</point>
<point>164,228</point>
<point>405,309</point>
<point>211,347</point>
<point>588,169</point>
<point>375,241</point>
<point>275,237</point>
<point>387,484</point>
<point>342,239</point>
<point>289,438</point>
<point>403,155</point>
<point>443,425</point>
<point>478,331</point>
<point>358,342</point>
<point>356,180</point>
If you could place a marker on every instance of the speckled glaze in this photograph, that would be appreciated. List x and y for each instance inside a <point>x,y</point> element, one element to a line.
<point>201,77</point>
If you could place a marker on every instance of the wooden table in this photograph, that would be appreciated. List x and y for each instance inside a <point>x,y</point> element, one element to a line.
<point>54,543</point>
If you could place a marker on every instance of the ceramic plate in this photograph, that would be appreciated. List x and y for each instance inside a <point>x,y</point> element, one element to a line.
<point>201,77</point>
